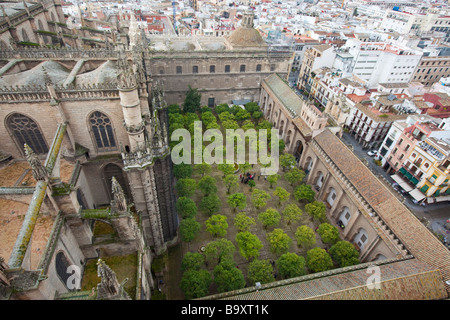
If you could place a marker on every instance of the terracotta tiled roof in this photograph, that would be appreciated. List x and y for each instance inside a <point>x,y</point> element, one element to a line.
<point>290,100</point>
<point>419,241</point>
<point>401,279</point>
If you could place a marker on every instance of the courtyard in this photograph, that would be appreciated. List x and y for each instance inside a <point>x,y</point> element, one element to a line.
<point>173,275</point>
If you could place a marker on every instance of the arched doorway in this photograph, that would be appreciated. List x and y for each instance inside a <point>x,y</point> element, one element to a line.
<point>345,216</point>
<point>61,266</point>
<point>280,131</point>
<point>331,197</point>
<point>319,181</point>
<point>298,150</point>
<point>361,238</point>
<point>288,139</point>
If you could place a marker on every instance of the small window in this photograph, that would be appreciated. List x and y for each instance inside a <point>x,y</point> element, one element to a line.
<point>258,68</point>
<point>227,68</point>
<point>179,70</point>
<point>212,69</point>
<point>195,69</point>
<point>242,68</point>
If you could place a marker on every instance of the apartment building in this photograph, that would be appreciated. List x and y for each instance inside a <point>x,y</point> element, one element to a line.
<point>432,68</point>
<point>429,165</point>
<point>418,23</point>
<point>380,62</point>
<point>402,137</point>
<point>370,120</point>
<point>315,57</point>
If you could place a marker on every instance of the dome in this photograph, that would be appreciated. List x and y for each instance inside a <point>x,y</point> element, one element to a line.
<point>246,37</point>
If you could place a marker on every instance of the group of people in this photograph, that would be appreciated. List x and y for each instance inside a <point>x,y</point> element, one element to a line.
<point>246,177</point>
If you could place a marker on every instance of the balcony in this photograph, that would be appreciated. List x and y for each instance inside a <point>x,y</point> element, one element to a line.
<point>411,176</point>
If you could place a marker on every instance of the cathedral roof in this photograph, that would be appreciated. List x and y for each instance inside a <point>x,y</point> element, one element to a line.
<point>36,76</point>
<point>105,73</point>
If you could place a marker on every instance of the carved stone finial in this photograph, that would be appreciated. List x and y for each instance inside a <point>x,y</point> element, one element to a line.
<point>38,170</point>
<point>109,284</point>
<point>126,76</point>
<point>119,197</point>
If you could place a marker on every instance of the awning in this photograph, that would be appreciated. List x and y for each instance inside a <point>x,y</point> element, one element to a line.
<point>402,183</point>
<point>416,194</point>
<point>444,198</point>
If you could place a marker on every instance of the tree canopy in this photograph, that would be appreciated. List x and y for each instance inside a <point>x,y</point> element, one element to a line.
<point>188,229</point>
<point>208,185</point>
<point>217,225</point>
<point>304,192</point>
<point>317,210</point>
<point>318,260</point>
<point>294,176</point>
<point>282,194</point>
<point>219,250</point>
<point>186,207</point>
<point>186,187</point>
<point>279,241</point>
<point>260,271</point>
<point>269,218</point>
<point>291,265</point>
<point>227,277</point>
<point>237,201</point>
<point>292,213</point>
<point>192,261</point>
<point>195,283</point>
<point>192,100</point>
<point>242,222</point>
<point>328,233</point>
<point>259,198</point>
<point>210,204</point>
<point>344,253</point>
<point>249,244</point>
<point>305,236</point>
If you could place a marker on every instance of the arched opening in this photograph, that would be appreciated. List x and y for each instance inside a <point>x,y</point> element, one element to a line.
<point>288,139</point>
<point>361,238</point>
<point>26,130</point>
<point>319,180</point>
<point>344,217</point>
<point>308,165</point>
<point>331,197</point>
<point>379,257</point>
<point>25,36</point>
<point>298,150</point>
<point>102,132</point>
<point>281,128</point>
<point>61,266</point>
<point>81,199</point>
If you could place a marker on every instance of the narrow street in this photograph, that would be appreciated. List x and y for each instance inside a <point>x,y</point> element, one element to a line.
<point>435,214</point>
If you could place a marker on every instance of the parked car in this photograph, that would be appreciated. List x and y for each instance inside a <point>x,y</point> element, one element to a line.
<point>372,153</point>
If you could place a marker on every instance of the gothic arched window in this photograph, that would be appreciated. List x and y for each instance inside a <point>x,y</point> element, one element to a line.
<point>25,36</point>
<point>102,131</point>
<point>25,130</point>
<point>61,265</point>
